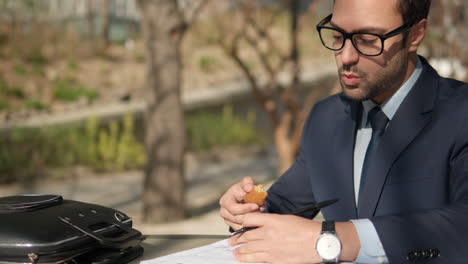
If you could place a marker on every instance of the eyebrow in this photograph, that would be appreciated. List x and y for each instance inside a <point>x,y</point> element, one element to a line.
<point>361,30</point>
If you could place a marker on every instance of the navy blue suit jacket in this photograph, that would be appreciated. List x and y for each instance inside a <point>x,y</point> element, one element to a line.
<point>416,193</point>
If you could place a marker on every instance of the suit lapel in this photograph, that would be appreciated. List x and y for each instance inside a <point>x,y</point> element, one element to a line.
<point>413,115</point>
<point>344,136</point>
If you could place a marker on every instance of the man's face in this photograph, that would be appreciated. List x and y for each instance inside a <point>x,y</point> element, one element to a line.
<point>370,77</point>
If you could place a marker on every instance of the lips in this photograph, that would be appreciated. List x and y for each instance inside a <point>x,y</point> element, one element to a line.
<point>350,79</point>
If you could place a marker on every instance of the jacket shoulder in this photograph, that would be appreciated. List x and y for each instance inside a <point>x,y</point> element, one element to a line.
<point>454,90</point>
<point>335,102</point>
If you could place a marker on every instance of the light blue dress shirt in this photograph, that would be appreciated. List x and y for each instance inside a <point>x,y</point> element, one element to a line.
<point>372,250</point>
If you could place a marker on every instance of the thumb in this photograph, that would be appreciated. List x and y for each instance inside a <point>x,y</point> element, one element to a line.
<point>247,184</point>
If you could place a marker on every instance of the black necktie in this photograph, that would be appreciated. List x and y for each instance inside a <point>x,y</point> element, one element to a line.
<point>379,122</point>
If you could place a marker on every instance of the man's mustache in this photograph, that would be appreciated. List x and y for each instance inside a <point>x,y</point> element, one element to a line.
<point>352,70</point>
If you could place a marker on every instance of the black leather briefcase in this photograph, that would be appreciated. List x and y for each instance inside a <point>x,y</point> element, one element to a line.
<point>49,229</point>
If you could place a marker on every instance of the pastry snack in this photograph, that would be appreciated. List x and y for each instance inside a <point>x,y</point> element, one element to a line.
<point>258,195</point>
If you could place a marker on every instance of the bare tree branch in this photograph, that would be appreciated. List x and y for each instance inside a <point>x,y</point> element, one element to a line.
<point>187,15</point>
<point>262,56</point>
<point>280,101</point>
<point>192,10</point>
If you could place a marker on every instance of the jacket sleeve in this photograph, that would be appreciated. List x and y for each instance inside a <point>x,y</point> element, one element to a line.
<point>293,189</point>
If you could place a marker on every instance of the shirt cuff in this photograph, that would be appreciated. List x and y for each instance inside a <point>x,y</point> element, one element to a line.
<point>372,251</point>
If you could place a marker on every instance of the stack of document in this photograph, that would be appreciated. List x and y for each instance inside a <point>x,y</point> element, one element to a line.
<point>216,253</point>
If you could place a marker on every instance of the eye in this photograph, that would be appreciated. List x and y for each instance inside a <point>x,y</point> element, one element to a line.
<point>337,36</point>
<point>366,39</point>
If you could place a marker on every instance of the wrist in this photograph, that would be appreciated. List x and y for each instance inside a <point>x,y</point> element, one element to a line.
<point>351,244</point>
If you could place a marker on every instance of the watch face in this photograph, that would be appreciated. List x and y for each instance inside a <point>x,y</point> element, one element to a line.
<point>328,246</point>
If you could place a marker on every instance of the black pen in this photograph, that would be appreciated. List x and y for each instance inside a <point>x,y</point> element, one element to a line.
<point>315,206</point>
<point>242,230</point>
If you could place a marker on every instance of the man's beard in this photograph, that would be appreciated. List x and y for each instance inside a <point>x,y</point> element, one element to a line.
<point>385,80</point>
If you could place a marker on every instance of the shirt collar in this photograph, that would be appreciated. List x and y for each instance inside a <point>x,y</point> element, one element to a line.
<point>390,106</point>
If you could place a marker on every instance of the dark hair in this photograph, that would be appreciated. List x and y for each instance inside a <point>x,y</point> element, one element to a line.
<point>414,10</point>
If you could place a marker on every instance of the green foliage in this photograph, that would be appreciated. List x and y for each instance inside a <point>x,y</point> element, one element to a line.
<point>3,39</point>
<point>433,36</point>
<point>15,91</point>
<point>206,130</point>
<point>128,149</point>
<point>207,63</point>
<point>36,57</point>
<point>108,148</point>
<point>72,65</point>
<point>31,4</point>
<point>113,146</point>
<point>88,148</point>
<point>20,70</point>
<point>107,145</point>
<point>91,94</point>
<point>140,58</point>
<point>3,86</point>
<point>3,105</point>
<point>35,104</point>
<point>38,70</point>
<point>6,90</point>
<point>69,90</point>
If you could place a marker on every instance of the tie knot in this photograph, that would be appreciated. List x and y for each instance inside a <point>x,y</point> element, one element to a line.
<point>377,118</point>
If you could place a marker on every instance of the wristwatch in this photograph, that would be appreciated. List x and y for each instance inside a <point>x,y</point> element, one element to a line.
<point>328,244</point>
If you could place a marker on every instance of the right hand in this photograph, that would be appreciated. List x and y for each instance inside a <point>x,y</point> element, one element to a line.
<point>232,208</point>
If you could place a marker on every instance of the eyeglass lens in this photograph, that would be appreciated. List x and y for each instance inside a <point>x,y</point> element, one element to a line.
<point>367,44</point>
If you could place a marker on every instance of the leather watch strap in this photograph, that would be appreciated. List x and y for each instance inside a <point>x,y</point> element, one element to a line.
<point>328,226</point>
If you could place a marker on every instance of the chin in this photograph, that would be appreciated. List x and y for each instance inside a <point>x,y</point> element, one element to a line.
<point>355,94</point>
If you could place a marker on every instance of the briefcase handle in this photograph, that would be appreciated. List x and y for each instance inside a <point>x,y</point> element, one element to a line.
<point>127,236</point>
<point>28,202</point>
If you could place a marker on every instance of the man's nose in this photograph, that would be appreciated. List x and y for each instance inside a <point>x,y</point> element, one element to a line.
<point>349,54</point>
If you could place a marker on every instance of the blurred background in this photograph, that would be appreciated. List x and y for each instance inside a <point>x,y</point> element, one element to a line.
<point>156,107</point>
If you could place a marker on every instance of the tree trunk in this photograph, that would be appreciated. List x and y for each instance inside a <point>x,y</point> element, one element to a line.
<point>284,135</point>
<point>105,22</point>
<point>90,16</point>
<point>164,189</point>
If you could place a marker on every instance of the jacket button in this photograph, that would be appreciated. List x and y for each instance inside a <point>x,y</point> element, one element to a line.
<point>435,253</point>
<point>417,255</point>
<point>426,254</point>
<point>411,256</point>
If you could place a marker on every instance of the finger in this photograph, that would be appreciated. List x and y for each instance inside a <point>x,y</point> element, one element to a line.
<point>242,209</point>
<point>235,193</point>
<point>233,225</point>
<point>256,219</point>
<point>252,247</point>
<point>226,215</point>
<point>257,257</point>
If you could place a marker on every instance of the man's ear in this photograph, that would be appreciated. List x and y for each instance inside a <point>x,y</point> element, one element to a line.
<point>416,35</point>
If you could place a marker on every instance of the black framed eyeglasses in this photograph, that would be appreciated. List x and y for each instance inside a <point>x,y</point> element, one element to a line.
<point>369,44</point>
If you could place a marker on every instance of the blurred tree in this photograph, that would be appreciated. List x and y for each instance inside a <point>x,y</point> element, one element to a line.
<point>455,29</point>
<point>164,24</point>
<point>251,33</point>
<point>105,15</point>
<point>448,36</point>
<point>90,17</point>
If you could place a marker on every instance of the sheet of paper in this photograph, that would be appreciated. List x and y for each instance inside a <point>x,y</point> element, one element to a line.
<point>216,253</point>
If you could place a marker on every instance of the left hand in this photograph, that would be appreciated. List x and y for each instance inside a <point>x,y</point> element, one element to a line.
<point>279,239</point>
